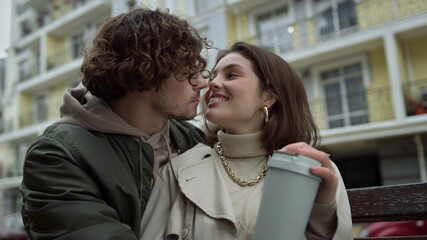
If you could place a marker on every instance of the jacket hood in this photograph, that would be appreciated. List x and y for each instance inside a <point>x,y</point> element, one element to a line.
<point>81,108</point>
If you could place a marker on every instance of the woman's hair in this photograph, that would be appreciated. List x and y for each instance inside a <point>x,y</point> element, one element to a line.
<point>290,117</point>
<point>139,50</point>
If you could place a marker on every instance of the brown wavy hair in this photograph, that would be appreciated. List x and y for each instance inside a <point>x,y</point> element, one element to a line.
<point>138,50</point>
<point>290,117</point>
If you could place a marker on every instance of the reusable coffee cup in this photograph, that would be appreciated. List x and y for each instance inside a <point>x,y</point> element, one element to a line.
<point>288,197</point>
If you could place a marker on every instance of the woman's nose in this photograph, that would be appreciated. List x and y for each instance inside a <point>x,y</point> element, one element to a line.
<point>214,84</point>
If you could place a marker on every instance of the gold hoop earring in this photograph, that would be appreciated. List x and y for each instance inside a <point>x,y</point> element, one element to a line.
<point>266,117</point>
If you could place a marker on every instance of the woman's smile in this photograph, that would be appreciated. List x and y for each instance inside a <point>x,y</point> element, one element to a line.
<point>216,98</point>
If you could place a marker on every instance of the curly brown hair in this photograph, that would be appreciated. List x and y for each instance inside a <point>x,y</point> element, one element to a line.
<point>138,50</point>
<point>290,117</point>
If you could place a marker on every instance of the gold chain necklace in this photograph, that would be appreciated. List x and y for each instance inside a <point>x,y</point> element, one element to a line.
<point>233,176</point>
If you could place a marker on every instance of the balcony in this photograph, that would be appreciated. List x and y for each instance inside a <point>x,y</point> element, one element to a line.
<point>26,73</point>
<point>415,93</point>
<point>39,15</point>
<point>334,23</point>
<point>28,118</point>
<point>368,106</point>
<point>71,18</point>
<point>63,56</point>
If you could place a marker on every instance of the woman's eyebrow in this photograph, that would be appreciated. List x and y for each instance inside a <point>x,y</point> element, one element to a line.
<point>227,67</point>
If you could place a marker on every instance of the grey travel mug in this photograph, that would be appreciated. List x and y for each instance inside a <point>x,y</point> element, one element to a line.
<point>288,196</point>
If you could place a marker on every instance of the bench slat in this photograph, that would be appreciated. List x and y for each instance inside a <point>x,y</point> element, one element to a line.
<point>389,203</point>
<point>392,238</point>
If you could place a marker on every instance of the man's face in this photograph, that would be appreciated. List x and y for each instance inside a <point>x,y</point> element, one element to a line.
<point>178,99</point>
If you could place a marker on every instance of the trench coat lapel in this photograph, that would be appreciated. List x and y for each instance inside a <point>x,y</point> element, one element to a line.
<point>202,183</point>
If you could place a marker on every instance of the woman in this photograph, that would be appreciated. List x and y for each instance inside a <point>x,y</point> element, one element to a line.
<point>257,104</point>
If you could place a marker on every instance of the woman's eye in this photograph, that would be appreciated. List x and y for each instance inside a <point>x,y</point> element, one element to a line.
<point>232,75</point>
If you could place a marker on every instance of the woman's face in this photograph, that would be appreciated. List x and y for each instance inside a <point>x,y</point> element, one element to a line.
<point>234,98</point>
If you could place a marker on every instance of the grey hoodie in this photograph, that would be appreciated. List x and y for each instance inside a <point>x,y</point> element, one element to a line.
<point>81,108</point>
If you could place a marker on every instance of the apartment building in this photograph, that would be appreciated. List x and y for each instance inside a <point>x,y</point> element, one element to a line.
<point>363,63</point>
<point>2,85</point>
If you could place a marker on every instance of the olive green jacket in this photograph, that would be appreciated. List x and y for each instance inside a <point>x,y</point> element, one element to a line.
<point>81,184</point>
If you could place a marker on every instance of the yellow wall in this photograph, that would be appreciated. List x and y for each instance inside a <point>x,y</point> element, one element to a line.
<point>418,57</point>
<point>25,108</point>
<point>379,72</point>
<point>374,12</point>
<point>380,104</point>
<point>181,6</point>
<point>318,113</point>
<point>401,62</point>
<point>231,29</point>
<point>56,50</point>
<point>55,99</point>
<point>411,7</point>
<point>296,35</point>
<point>59,8</point>
<point>244,22</point>
<point>311,31</point>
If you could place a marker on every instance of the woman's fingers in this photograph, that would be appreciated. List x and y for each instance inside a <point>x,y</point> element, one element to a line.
<point>309,151</point>
<point>326,171</point>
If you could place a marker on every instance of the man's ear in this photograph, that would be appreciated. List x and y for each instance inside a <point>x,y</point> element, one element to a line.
<point>269,98</point>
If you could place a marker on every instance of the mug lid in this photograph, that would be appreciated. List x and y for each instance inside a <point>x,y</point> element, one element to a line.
<point>296,163</point>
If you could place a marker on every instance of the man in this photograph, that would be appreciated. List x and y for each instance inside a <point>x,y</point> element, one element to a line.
<point>90,174</point>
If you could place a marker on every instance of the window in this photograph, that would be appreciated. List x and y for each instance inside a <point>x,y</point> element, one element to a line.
<point>28,65</point>
<point>335,18</point>
<point>274,30</point>
<point>77,45</point>
<point>24,70</point>
<point>345,101</point>
<point>43,17</point>
<point>26,28</point>
<point>40,109</point>
<point>346,14</point>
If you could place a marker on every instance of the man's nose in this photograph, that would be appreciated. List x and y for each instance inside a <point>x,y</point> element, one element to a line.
<point>202,83</point>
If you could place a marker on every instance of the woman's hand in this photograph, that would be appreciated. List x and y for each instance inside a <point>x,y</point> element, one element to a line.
<point>328,187</point>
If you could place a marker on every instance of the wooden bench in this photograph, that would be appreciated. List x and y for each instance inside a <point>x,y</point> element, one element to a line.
<point>389,203</point>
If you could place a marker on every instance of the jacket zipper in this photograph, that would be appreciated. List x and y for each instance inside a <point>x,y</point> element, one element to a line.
<point>139,173</point>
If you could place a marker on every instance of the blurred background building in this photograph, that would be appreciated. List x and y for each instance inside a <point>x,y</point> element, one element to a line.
<point>363,62</point>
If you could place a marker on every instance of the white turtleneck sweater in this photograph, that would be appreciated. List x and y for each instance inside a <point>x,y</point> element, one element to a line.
<point>246,159</point>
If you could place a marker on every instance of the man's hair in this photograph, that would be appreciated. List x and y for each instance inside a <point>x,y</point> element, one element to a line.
<point>290,116</point>
<point>138,50</point>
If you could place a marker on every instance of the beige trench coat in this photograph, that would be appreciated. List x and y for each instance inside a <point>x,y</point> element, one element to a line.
<point>185,204</point>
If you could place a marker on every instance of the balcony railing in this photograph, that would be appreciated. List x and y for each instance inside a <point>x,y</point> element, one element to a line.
<point>415,93</point>
<point>52,11</point>
<point>369,106</point>
<point>61,57</point>
<point>28,73</point>
<point>335,23</point>
<point>28,118</point>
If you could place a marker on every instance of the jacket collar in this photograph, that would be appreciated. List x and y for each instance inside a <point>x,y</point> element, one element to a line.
<point>194,174</point>
<point>185,135</point>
